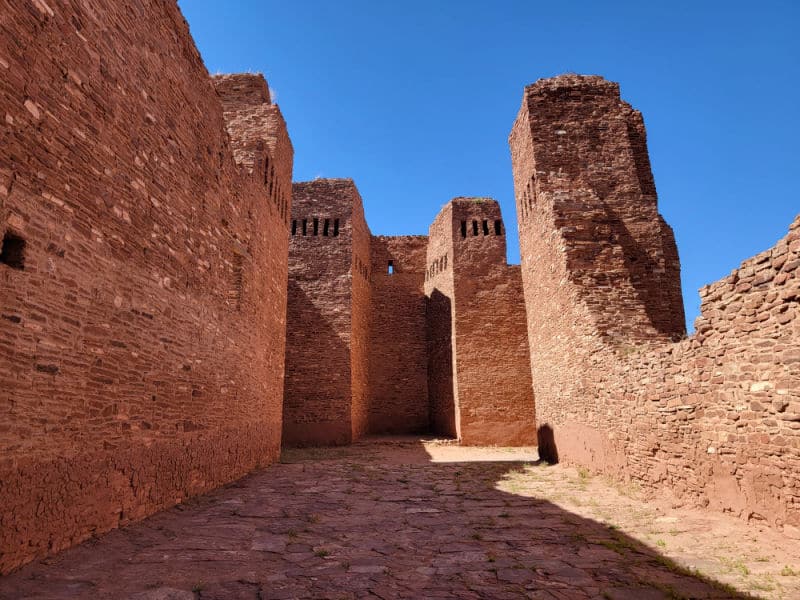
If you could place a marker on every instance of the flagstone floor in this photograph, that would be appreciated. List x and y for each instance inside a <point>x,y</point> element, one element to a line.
<point>410,518</point>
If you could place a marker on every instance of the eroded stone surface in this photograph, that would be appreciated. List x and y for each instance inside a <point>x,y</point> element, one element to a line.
<point>403,519</point>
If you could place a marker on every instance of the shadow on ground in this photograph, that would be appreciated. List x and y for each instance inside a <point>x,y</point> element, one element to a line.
<point>380,519</point>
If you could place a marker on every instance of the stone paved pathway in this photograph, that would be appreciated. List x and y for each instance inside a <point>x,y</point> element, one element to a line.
<point>406,519</point>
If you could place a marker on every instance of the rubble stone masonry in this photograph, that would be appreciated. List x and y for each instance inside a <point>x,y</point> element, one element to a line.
<point>374,341</point>
<point>323,385</point>
<point>479,361</point>
<point>173,307</point>
<point>398,356</point>
<point>714,418</point>
<point>142,273</point>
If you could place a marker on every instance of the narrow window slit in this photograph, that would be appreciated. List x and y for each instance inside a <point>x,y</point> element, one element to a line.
<point>391,267</point>
<point>294,226</point>
<point>463,229</point>
<point>305,226</point>
<point>335,227</point>
<point>474,228</point>
<point>498,227</point>
<point>316,226</point>
<point>485,227</point>
<point>325,227</point>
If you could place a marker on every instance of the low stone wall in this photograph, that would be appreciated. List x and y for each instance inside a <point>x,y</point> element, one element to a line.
<point>713,419</point>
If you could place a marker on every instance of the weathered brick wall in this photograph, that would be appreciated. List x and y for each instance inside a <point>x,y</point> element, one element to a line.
<point>712,419</point>
<point>361,310</point>
<point>479,374</point>
<point>398,354</point>
<point>319,381</point>
<point>141,342</point>
<point>588,161</point>
<point>495,395</point>
<point>440,293</point>
<point>259,137</point>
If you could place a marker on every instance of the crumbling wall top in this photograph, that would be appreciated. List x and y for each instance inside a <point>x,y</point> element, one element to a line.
<point>245,89</point>
<point>572,82</point>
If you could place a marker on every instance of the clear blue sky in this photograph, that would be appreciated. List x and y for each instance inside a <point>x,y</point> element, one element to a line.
<point>414,100</point>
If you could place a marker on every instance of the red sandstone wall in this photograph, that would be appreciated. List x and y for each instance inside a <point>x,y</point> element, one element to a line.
<point>495,395</point>
<point>318,406</point>
<point>361,311</point>
<point>398,354</point>
<point>141,346</point>
<point>479,374</point>
<point>259,137</point>
<point>588,160</point>
<point>440,294</point>
<point>713,418</point>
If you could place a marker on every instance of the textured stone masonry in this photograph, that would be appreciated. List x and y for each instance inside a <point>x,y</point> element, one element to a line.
<point>142,318</point>
<point>374,341</point>
<point>712,419</point>
<point>173,307</point>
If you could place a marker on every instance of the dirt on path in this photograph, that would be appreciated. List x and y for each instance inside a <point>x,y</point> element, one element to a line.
<point>409,518</point>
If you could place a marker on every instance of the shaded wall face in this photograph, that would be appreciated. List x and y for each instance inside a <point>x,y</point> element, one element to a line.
<point>142,329</point>
<point>440,294</point>
<point>398,353</point>
<point>361,274</point>
<point>318,388</point>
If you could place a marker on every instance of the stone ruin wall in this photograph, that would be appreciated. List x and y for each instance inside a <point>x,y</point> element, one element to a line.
<point>492,362</point>
<point>395,350</point>
<point>362,311</point>
<point>319,335</point>
<point>713,419</point>
<point>398,371</point>
<point>142,329</point>
<point>479,375</point>
<point>440,294</point>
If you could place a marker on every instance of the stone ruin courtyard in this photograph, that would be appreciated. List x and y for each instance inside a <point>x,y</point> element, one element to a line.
<point>217,382</point>
<point>421,518</point>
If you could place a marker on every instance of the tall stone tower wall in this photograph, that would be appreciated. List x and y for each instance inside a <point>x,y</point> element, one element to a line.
<point>581,152</point>
<point>711,419</point>
<point>479,375</point>
<point>440,294</point>
<point>324,385</point>
<point>142,277</point>
<point>398,353</point>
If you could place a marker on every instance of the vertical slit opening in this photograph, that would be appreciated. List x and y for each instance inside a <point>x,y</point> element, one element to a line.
<point>474,227</point>
<point>335,227</point>
<point>463,229</point>
<point>391,267</point>
<point>498,227</point>
<point>485,227</point>
<point>305,226</point>
<point>316,226</point>
<point>325,227</point>
<point>294,226</point>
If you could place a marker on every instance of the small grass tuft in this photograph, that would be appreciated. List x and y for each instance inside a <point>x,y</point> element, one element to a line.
<point>198,587</point>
